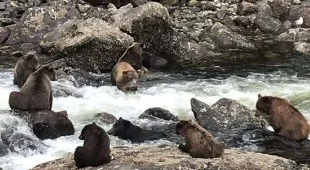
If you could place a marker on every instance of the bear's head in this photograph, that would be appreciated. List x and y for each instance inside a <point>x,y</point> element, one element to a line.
<point>130,80</point>
<point>182,126</point>
<point>119,127</point>
<point>49,71</point>
<point>89,130</point>
<point>263,105</point>
<point>31,60</point>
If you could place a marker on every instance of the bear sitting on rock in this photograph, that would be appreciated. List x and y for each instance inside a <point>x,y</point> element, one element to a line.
<point>96,148</point>
<point>199,143</point>
<point>284,118</point>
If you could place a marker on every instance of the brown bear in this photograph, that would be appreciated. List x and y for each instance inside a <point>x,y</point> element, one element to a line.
<point>125,77</point>
<point>199,143</point>
<point>25,65</point>
<point>284,118</point>
<point>96,148</point>
<point>36,93</point>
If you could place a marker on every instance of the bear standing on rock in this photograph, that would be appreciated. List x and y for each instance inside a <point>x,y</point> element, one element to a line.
<point>96,148</point>
<point>36,93</point>
<point>199,143</point>
<point>25,65</point>
<point>284,118</point>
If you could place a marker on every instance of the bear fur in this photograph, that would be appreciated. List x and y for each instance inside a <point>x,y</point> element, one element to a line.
<point>125,77</point>
<point>124,129</point>
<point>133,56</point>
<point>199,143</point>
<point>25,65</point>
<point>36,93</point>
<point>96,148</point>
<point>284,118</point>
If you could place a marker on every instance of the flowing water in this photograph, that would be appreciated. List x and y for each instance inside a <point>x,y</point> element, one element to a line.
<point>171,91</point>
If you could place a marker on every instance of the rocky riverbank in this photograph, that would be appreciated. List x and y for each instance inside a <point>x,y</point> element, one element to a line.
<point>166,157</point>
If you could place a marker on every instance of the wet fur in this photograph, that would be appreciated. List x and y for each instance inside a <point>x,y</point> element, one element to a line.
<point>96,148</point>
<point>36,93</point>
<point>199,143</point>
<point>124,76</point>
<point>25,65</point>
<point>124,129</point>
<point>285,119</point>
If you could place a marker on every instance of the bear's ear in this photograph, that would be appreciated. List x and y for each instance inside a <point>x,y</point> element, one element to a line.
<point>139,72</point>
<point>120,118</point>
<point>93,123</point>
<point>259,96</point>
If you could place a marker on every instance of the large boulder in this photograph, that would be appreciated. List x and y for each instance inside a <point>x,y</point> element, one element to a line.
<point>148,24</point>
<point>224,115</point>
<point>51,125</point>
<point>155,113</point>
<point>267,23</point>
<point>92,44</point>
<point>38,21</point>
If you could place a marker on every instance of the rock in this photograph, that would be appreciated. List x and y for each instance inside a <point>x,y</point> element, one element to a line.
<point>2,6</point>
<point>302,47</point>
<point>81,78</point>
<point>40,20</point>
<point>280,9</point>
<point>148,24</point>
<point>138,157</point>
<point>246,8</point>
<point>4,34</point>
<point>226,39</point>
<point>22,143</point>
<point>155,113</point>
<point>106,118</point>
<point>92,44</point>
<point>208,5</point>
<point>285,26</point>
<point>266,23</point>
<point>243,21</point>
<point>60,90</point>
<point>51,125</point>
<point>224,115</point>
<point>3,149</point>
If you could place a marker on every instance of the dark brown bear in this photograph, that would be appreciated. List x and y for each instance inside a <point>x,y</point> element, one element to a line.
<point>133,56</point>
<point>96,148</point>
<point>284,118</point>
<point>36,93</point>
<point>125,77</point>
<point>199,143</point>
<point>25,65</point>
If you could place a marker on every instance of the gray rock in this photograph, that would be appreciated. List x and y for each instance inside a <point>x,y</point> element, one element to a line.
<point>155,113</point>
<point>285,26</point>
<point>266,23</point>
<point>226,39</point>
<point>280,9</point>
<point>151,61</point>
<point>224,115</point>
<point>106,118</point>
<point>92,44</point>
<point>38,21</point>
<point>4,34</point>
<point>149,24</point>
<point>167,157</point>
<point>22,143</point>
<point>51,125</point>
<point>243,21</point>
<point>246,8</point>
<point>208,5</point>
<point>2,6</point>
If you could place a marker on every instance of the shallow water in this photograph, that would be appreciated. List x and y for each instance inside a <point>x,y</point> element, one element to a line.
<point>171,95</point>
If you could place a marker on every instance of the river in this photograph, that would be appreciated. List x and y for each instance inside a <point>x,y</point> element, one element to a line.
<point>170,90</point>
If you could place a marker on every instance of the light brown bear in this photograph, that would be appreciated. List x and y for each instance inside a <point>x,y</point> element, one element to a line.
<point>36,93</point>
<point>284,118</point>
<point>125,77</point>
<point>199,143</point>
<point>25,65</point>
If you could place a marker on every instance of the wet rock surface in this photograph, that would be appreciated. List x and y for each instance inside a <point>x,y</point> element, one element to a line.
<point>167,157</point>
<point>158,113</point>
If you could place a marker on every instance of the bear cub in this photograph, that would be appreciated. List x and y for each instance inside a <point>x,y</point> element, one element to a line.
<point>199,143</point>
<point>96,148</point>
<point>284,118</point>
